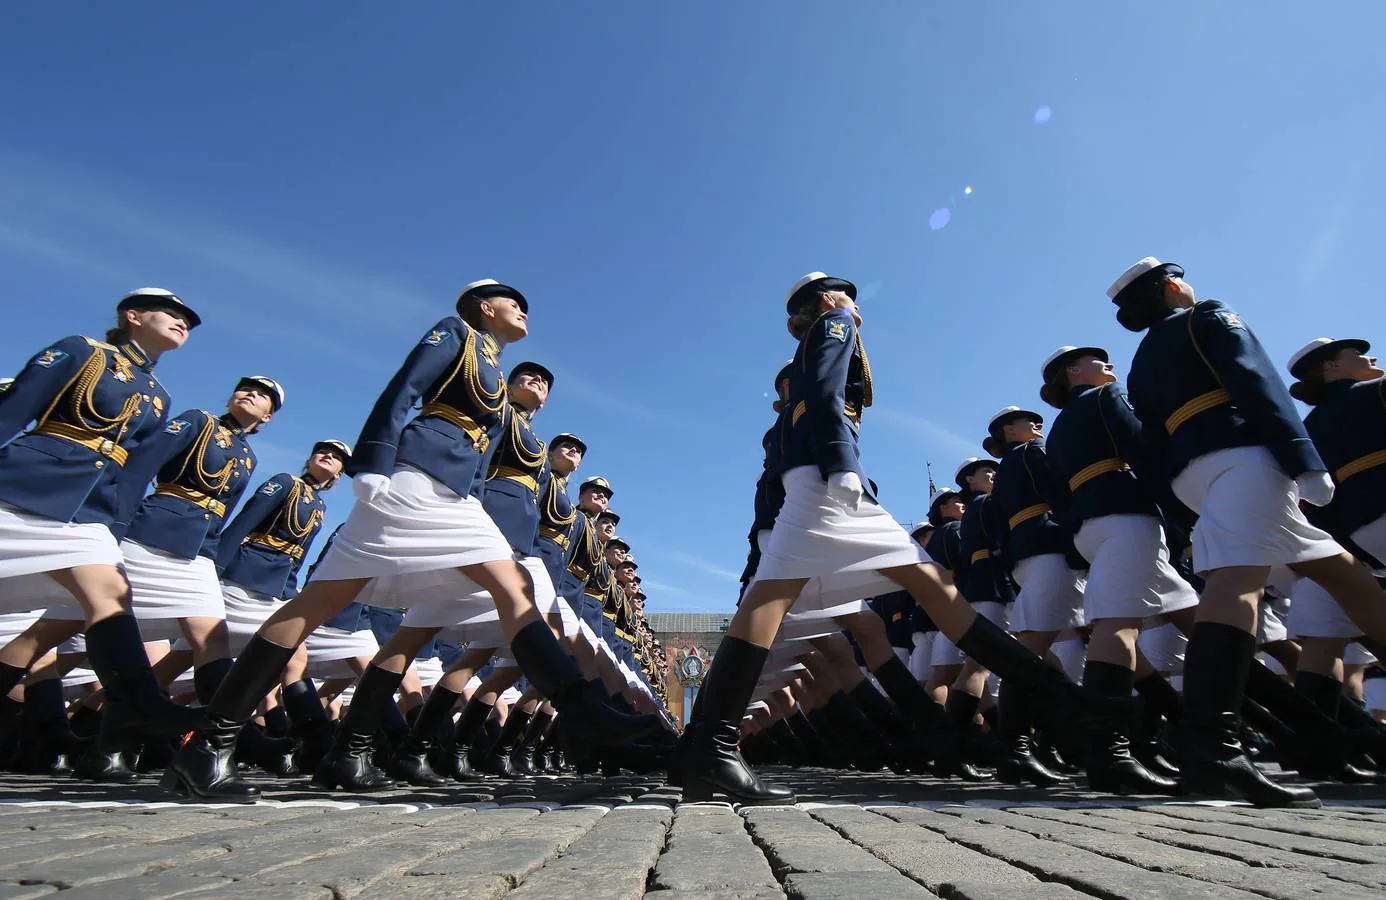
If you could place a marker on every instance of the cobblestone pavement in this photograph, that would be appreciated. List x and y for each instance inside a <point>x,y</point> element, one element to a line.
<point>852,835</point>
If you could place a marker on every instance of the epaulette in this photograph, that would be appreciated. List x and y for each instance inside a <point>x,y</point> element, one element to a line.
<point>102,345</point>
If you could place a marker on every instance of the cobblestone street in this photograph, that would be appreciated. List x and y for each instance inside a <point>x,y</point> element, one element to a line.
<point>851,835</point>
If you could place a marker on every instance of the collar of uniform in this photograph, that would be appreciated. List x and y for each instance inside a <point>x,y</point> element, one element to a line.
<point>229,422</point>
<point>1341,386</point>
<point>1079,390</point>
<point>137,355</point>
<point>975,496</point>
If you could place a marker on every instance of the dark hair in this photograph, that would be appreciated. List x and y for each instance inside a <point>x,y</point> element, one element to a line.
<point>469,309</point>
<point>1309,390</point>
<point>121,332</point>
<point>1143,302</point>
<point>809,312</point>
<point>1056,392</point>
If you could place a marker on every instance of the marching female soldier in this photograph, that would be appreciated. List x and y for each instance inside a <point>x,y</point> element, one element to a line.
<point>1237,455</point>
<point>94,407</point>
<point>1347,394</point>
<point>419,513</point>
<point>828,526</point>
<point>200,465</point>
<point>261,552</point>
<point>1109,495</point>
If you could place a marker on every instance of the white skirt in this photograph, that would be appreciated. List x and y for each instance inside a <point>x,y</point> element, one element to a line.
<point>1073,656</point>
<point>1164,646</point>
<point>1270,623</point>
<point>826,596</point>
<point>246,611</point>
<point>1248,512</point>
<point>919,656</point>
<point>568,620</point>
<point>12,625</point>
<point>1315,614</point>
<point>943,652</point>
<point>30,544</point>
<point>419,525</point>
<point>1051,595</point>
<point>163,589</point>
<point>1374,694</point>
<point>446,598</point>
<point>815,537</point>
<point>1372,538</point>
<point>327,644</point>
<point>1357,655</point>
<point>1130,575</point>
<point>430,670</point>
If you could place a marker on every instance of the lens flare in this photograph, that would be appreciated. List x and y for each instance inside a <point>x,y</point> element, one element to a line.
<point>1042,115</point>
<point>968,190</point>
<point>940,218</point>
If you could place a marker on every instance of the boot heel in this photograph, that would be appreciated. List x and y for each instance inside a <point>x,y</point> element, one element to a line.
<point>695,790</point>
<point>173,783</point>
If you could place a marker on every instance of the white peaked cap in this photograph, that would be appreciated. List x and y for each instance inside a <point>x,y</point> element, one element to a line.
<point>1321,347</point>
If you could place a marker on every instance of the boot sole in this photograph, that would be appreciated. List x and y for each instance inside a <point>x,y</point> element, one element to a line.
<point>332,784</point>
<point>1200,788</point>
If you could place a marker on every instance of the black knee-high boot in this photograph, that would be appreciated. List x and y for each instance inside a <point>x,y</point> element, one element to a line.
<point>47,735</point>
<point>941,741</point>
<point>1160,703</point>
<point>410,763</point>
<point>457,756</point>
<point>1111,767</point>
<point>962,759</point>
<point>1057,698</point>
<point>1326,694</point>
<point>522,758</point>
<point>309,724</point>
<point>900,744</point>
<point>497,758</point>
<point>1213,761</point>
<point>1315,744</point>
<point>9,677</point>
<point>348,765</point>
<point>1017,764</point>
<point>591,720</point>
<point>252,745</point>
<point>135,704</point>
<point>707,759</point>
<point>204,767</point>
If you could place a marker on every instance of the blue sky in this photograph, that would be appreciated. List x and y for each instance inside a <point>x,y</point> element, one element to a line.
<point>319,179</point>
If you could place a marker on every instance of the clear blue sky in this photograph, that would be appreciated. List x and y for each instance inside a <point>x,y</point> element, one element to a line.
<point>319,179</point>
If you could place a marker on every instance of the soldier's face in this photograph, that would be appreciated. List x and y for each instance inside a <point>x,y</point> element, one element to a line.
<point>324,465</point>
<point>982,479</point>
<point>565,459</point>
<point>1354,364</point>
<point>606,529</point>
<point>158,330</point>
<point>251,404</point>
<point>504,318</point>
<point>1091,370</point>
<point>529,390</point>
<point>594,500</point>
<point>1021,430</point>
<point>625,574</point>
<point>615,556</point>
<point>954,508</point>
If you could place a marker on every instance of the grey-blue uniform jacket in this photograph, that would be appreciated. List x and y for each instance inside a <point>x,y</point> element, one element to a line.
<point>519,468</point>
<point>95,406</point>
<point>1349,429</point>
<point>201,465</point>
<point>263,547</point>
<point>1099,462</point>
<point>982,574</point>
<point>1024,496</point>
<point>1201,382</point>
<point>829,387</point>
<point>455,372</point>
<point>558,530</point>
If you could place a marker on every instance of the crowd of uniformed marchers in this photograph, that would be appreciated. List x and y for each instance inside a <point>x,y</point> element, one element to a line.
<point>1172,583</point>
